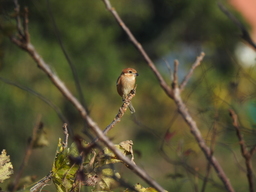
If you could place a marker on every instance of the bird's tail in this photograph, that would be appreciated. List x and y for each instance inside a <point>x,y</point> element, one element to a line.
<point>132,110</point>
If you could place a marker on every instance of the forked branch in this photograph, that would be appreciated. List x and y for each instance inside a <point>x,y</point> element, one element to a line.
<point>247,155</point>
<point>197,135</point>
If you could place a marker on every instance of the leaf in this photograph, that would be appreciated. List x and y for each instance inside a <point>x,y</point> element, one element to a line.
<point>108,180</point>
<point>139,188</point>
<point>143,189</point>
<point>63,171</point>
<point>41,139</point>
<point>6,168</point>
<point>125,147</point>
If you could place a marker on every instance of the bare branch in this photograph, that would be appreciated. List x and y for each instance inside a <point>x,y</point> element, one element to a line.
<point>121,111</point>
<point>25,25</point>
<point>169,69</point>
<point>209,166</point>
<point>175,75</point>
<point>252,151</point>
<point>187,77</point>
<point>201,142</point>
<point>40,184</point>
<point>245,153</point>
<point>38,95</point>
<point>162,82</point>
<point>245,34</point>
<point>28,152</point>
<point>71,65</point>
<point>17,12</point>
<point>65,131</point>
<point>238,132</point>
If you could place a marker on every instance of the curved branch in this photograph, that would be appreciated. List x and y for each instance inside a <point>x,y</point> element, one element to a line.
<point>38,95</point>
<point>247,155</point>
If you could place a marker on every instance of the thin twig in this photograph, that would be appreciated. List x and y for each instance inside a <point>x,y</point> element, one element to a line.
<point>187,77</point>
<point>41,183</point>
<point>208,168</point>
<point>25,25</point>
<point>121,111</point>
<point>28,152</point>
<point>119,115</point>
<point>38,95</point>
<point>253,150</point>
<point>197,134</point>
<point>168,90</point>
<point>169,69</point>
<point>245,34</point>
<point>17,12</point>
<point>28,47</point>
<point>65,131</point>
<point>71,65</point>
<point>244,151</point>
<point>175,74</point>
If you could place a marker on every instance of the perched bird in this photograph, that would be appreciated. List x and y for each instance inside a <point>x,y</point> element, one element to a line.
<point>125,83</point>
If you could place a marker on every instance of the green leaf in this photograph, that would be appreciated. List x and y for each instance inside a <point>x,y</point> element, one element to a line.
<point>63,171</point>
<point>6,168</point>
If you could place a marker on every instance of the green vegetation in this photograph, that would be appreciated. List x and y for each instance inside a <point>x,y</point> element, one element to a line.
<point>98,50</point>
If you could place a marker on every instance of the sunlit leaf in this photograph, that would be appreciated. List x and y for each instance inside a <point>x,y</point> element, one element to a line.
<point>108,178</point>
<point>6,168</point>
<point>125,147</point>
<point>139,188</point>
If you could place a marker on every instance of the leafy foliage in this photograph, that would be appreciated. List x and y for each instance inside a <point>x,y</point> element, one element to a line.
<point>97,168</point>
<point>63,172</point>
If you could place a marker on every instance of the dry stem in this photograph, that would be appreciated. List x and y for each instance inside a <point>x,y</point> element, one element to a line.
<point>28,152</point>
<point>244,151</point>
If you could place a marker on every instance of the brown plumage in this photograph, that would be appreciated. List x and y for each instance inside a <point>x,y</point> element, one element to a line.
<point>125,83</point>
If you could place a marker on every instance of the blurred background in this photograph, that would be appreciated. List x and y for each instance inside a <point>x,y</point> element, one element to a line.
<point>99,50</point>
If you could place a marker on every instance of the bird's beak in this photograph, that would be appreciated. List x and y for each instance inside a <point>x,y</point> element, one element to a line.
<point>137,74</point>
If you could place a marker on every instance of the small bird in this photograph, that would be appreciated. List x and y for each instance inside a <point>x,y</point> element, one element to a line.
<point>125,83</point>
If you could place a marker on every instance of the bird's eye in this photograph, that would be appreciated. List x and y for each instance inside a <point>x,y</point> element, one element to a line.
<point>130,71</point>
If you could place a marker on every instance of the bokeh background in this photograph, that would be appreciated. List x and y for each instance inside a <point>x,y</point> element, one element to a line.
<point>99,50</point>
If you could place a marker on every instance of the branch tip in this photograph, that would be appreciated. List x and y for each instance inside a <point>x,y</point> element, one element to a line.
<point>193,67</point>
<point>175,74</point>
